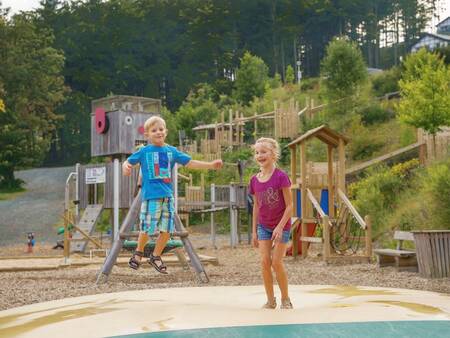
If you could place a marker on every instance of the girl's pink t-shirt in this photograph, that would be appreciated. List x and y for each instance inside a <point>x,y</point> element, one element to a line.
<point>271,204</point>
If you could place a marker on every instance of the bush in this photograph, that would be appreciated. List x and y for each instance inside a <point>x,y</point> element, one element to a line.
<point>386,82</point>
<point>378,194</point>
<point>374,114</point>
<point>364,144</point>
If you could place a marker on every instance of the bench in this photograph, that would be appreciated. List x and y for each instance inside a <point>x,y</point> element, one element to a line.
<point>403,260</point>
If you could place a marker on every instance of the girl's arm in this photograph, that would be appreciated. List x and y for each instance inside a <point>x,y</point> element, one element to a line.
<point>255,221</point>
<point>287,194</point>
<point>195,164</point>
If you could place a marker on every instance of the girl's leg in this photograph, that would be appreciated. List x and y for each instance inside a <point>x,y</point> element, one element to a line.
<point>265,248</point>
<point>280,272</point>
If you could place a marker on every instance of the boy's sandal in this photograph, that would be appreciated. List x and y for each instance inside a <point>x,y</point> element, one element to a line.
<point>270,304</point>
<point>286,304</point>
<point>133,262</point>
<point>158,264</point>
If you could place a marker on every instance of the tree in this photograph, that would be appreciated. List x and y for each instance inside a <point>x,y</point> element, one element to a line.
<point>290,77</point>
<point>425,93</point>
<point>344,77</point>
<point>251,78</point>
<point>30,71</point>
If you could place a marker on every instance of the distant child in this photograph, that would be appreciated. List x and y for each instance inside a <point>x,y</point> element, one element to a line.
<point>30,242</point>
<point>272,213</point>
<point>157,209</point>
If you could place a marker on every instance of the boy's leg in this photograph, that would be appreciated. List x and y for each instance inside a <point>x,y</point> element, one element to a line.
<point>161,242</point>
<point>142,240</point>
<point>265,248</point>
<point>278,266</point>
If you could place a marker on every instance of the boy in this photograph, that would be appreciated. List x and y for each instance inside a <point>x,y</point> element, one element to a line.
<point>157,210</point>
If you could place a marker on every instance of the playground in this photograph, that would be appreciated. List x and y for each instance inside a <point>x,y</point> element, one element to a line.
<point>336,284</point>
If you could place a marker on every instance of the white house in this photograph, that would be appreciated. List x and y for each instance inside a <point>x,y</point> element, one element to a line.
<point>434,40</point>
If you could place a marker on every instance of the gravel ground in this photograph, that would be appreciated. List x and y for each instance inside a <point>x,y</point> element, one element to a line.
<point>39,208</point>
<point>239,266</point>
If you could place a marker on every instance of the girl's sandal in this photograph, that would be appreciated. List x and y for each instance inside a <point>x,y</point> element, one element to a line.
<point>270,304</point>
<point>133,262</point>
<point>286,304</point>
<point>158,264</point>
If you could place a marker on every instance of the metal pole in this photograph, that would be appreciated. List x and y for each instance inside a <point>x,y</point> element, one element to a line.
<point>116,191</point>
<point>233,216</point>
<point>77,192</point>
<point>213,226</point>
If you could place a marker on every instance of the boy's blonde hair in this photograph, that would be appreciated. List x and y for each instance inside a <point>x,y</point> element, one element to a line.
<point>152,121</point>
<point>271,144</point>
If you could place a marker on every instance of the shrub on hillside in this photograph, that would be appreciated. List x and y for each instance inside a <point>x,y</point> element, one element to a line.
<point>374,114</point>
<point>386,82</point>
<point>377,195</point>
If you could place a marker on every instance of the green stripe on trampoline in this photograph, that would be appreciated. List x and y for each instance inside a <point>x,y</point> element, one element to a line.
<point>397,329</point>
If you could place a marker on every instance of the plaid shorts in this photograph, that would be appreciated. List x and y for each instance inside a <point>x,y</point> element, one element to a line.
<point>157,214</point>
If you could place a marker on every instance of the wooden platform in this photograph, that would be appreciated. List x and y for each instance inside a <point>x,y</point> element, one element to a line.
<point>53,263</point>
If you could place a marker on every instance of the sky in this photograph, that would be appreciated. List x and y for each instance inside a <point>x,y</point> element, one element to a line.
<point>24,5</point>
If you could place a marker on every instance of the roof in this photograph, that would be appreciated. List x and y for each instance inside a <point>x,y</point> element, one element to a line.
<point>323,133</point>
<point>443,21</point>
<point>434,35</point>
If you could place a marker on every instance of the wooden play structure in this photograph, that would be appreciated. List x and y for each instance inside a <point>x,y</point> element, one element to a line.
<point>117,129</point>
<point>228,135</point>
<point>194,197</point>
<point>342,229</point>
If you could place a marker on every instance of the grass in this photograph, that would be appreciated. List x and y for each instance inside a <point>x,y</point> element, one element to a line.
<point>10,194</point>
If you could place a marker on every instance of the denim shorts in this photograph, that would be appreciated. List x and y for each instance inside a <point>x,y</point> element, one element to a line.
<point>265,234</point>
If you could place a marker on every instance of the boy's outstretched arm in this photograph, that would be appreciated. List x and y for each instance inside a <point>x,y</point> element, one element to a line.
<point>195,164</point>
<point>126,168</point>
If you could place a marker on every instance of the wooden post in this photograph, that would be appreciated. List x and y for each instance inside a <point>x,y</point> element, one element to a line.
<point>326,237</point>
<point>216,138</point>
<point>368,221</point>
<point>330,182</point>
<point>275,120</point>
<point>341,170</point>
<point>256,126</point>
<point>304,215</point>
<point>230,134</point>
<point>294,178</point>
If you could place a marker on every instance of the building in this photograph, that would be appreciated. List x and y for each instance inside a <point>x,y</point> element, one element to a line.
<point>432,41</point>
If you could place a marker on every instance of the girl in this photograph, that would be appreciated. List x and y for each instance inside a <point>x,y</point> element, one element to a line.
<point>272,213</point>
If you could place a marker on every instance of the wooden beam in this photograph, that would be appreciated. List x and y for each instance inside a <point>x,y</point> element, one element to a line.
<point>330,181</point>
<point>304,231</point>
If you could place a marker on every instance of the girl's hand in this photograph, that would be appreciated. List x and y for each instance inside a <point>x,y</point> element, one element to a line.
<point>126,168</point>
<point>254,239</point>
<point>277,234</point>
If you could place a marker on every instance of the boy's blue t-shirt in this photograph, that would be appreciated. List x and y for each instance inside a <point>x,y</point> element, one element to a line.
<point>156,167</point>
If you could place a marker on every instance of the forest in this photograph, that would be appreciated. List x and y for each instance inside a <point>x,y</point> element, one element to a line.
<point>56,59</point>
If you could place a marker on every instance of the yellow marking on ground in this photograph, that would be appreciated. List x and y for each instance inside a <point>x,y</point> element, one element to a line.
<point>416,307</point>
<point>352,291</point>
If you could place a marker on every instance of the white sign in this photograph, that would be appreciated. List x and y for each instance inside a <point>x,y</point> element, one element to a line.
<point>95,175</point>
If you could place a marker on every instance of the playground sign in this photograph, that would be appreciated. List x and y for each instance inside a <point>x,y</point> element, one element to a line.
<point>95,175</point>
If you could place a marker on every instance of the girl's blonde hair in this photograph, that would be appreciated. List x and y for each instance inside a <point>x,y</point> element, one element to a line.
<point>271,144</point>
<point>152,121</point>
